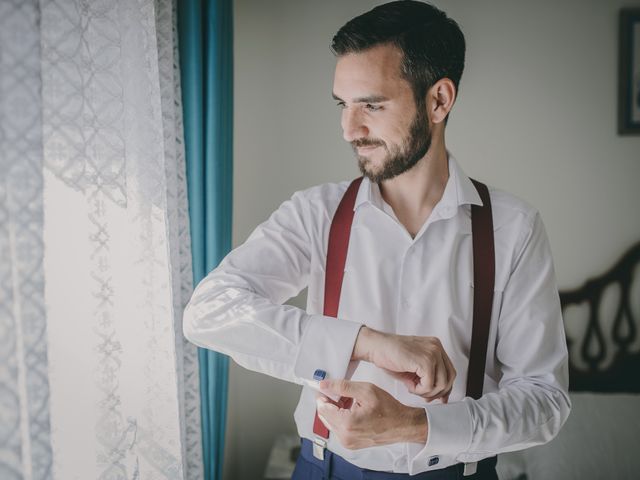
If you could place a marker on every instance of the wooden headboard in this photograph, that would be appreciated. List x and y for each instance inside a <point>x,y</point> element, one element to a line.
<point>606,357</point>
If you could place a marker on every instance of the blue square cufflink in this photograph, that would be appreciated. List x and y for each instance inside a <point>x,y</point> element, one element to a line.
<point>319,375</point>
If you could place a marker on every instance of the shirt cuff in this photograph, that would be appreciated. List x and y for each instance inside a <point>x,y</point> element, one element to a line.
<point>327,344</point>
<point>449,433</point>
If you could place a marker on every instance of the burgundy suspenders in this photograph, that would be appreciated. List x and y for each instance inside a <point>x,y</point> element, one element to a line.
<point>337,249</point>
<point>483,279</point>
<point>334,270</point>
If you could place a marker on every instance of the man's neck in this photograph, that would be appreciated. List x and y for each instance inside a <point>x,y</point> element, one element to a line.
<point>413,194</point>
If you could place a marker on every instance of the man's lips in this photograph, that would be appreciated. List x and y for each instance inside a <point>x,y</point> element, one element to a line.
<point>366,148</point>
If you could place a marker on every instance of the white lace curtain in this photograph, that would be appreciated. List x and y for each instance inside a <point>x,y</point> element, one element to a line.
<point>96,380</point>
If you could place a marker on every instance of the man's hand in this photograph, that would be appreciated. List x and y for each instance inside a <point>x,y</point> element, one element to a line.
<point>373,418</point>
<point>419,362</point>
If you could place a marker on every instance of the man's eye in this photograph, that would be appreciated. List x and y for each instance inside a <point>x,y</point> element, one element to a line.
<point>341,104</point>
<point>372,108</point>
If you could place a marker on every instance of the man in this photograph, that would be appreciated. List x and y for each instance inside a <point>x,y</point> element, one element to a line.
<point>399,346</point>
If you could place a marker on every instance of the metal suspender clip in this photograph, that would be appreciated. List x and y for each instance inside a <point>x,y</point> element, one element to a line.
<point>319,443</point>
<point>470,468</point>
<point>318,448</point>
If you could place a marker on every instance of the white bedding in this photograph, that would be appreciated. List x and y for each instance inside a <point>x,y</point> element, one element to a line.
<point>600,440</point>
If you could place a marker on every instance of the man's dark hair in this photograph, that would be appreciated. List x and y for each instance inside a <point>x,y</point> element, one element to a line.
<point>431,43</point>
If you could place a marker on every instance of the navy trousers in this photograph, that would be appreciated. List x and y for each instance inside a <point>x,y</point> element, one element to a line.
<point>334,467</point>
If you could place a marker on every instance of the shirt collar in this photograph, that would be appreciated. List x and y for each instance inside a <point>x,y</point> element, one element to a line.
<point>458,191</point>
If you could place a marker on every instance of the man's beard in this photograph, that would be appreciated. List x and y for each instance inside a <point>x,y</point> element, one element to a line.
<point>399,158</point>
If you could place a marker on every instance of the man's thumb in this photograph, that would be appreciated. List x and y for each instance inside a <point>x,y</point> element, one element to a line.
<point>343,388</point>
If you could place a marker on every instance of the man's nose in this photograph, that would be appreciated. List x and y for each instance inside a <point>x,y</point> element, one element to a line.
<point>352,125</point>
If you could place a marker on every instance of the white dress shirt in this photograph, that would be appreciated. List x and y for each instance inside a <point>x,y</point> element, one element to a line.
<point>403,285</point>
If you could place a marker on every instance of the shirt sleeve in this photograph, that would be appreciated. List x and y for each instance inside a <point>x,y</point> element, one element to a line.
<point>532,401</point>
<point>237,308</point>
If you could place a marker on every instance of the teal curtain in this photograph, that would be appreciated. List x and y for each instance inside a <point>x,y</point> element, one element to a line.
<point>205,29</point>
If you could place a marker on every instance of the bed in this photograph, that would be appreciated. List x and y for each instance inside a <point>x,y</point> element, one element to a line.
<point>601,438</point>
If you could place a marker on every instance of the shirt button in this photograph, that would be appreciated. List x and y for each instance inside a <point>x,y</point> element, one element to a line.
<point>405,303</point>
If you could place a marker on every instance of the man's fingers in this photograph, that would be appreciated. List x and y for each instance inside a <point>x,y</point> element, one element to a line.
<point>444,385</point>
<point>441,380</point>
<point>437,380</point>
<point>427,380</point>
<point>336,387</point>
<point>344,388</point>
<point>412,380</point>
<point>324,409</point>
<point>408,379</point>
<point>451,373</point>
<point>328,412</point>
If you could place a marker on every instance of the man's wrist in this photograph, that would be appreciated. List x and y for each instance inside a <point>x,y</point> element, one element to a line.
<point>410,426</point>
<point>418,428</point>
<point>362,350</point>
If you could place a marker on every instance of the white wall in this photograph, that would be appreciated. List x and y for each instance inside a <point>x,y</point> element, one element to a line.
<point>536,117</point>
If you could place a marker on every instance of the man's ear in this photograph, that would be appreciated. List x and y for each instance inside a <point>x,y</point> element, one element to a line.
<point>440,99</point>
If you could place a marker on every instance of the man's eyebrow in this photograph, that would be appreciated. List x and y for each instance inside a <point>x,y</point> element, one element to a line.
<point>368,99</point>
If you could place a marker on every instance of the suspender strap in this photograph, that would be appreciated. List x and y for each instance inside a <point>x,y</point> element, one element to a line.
<point>334,270</point>
<point>483,277</point>
<point>484,269</point>
<point>337,249</point>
